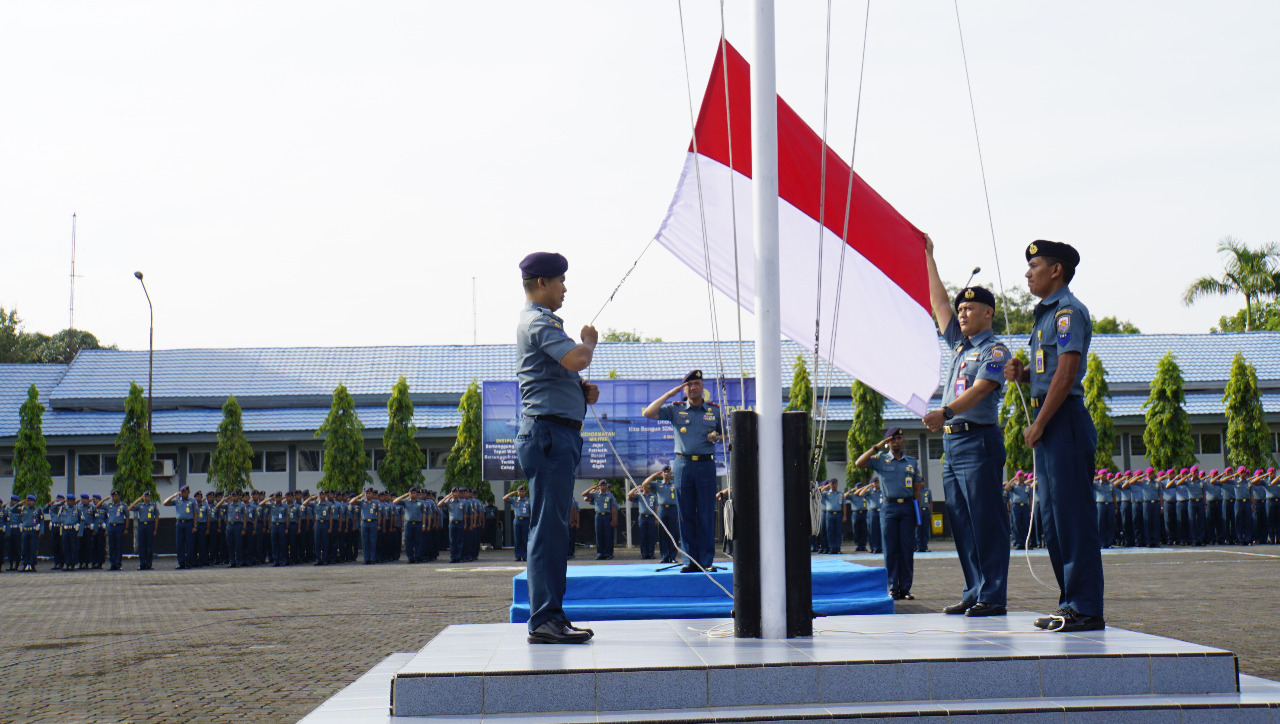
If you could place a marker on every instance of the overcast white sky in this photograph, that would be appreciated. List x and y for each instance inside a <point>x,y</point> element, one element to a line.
<point>336,173</point>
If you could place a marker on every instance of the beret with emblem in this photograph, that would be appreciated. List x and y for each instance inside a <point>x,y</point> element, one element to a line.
<point>975,294</point>
<point>1056,249</point>
<point>543,264</point>
<point>694,375</point>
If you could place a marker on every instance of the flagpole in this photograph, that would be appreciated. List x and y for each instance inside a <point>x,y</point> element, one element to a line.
<point>764,153</point>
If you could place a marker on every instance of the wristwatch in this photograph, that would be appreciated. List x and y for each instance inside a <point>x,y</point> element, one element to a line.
<point>947,413</point>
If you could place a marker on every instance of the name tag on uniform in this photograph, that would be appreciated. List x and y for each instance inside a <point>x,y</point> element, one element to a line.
<point>960,385</point>
<point>1039,361</point>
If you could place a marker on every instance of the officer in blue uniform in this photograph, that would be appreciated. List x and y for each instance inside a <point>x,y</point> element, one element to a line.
<point>972,442</point>
<point>646,522</point>
<point>698,427</point>
<point>549,442</point>
<point>606,518</point>
<point>13,532</point>
<point>1195,506</point>
<point>30,521</point>
<point>69,520</point>
<point>900,485</point>
<point>185,527</point>
<point>1215,533</point>
<point>833,516</point>
<point>117,525</point>
<point>520,508</point>
<point>1020,508</point>
<point>857,502</point>
<point>1062,436</point>
<point>148,516</point>
<point>1272,503</point>
<point>875,534</point>
<point>664,489</point>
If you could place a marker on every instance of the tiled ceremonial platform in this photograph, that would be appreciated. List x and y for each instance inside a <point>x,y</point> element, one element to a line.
<point>929,667</point>
<point>632,591</point>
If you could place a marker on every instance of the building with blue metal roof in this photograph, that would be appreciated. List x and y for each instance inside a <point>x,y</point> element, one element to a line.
<point>286,392</point>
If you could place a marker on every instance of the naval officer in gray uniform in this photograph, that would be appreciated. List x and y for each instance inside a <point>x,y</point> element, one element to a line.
<point>549,443</point>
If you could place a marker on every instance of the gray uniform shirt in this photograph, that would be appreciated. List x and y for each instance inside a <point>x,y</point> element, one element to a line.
<point>546,386</point>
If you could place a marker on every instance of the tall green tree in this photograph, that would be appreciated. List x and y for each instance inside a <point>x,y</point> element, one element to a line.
<point>401,469</point>
<point>134,450</point>
<point>1111,325</point>
<point>866,430</point>
<point>800,398</point>
<point>1251,273</point>
<point>1168,433</point>
<point>1014,418</point>
<point>463,467</point>
<point>1248,438</point>
<point>1096,394</point>
<point>30,466</point>
<point>232,464</point>
<point>345,461</point>
<point>1262,317</point>
<point>622,335</point>
<point>18,345</point>
<point>12,338</point>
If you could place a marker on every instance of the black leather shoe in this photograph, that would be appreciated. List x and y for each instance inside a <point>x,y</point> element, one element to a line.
<point>558,632</point>
<point>1073,622</point>
<point>1045,621</point>
<point>985,609</point>
<point>906,595</point>
<point>691,568</point>
<point>957,609</point>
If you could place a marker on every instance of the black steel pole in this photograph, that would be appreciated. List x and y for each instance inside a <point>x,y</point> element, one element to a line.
<point>151,348</point>
<point>796,524</point>
<point>744,482</point>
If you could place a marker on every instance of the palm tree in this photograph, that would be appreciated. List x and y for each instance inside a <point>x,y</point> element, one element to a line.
<point>1254,273</point>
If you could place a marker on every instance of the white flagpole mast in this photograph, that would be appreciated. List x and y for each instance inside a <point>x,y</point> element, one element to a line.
<point>764,154</point>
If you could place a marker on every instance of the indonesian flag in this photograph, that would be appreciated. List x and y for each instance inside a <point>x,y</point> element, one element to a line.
<point>885,334</point>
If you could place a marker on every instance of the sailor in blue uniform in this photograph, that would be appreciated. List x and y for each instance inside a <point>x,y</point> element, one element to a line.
<point>857,502</point>
<point>148,515</point>
<point>646,525</point>
<point>1062,436</point>
<point>520,526</point>
<point>1020,508</point>
<point>1272,503</point>
<point>698,427</point>
<point>606,506</point>
<point>833,516</point>
<point>185,527</point>
<point>549,443</point>
<point>1215,533</point>
<point>664,489</point>
<point>973,444</point>
<point>30,521</point>
<point>900,484</point>
<point>13,532</point>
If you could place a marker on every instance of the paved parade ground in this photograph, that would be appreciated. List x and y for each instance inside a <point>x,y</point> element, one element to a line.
<point>271,644</point>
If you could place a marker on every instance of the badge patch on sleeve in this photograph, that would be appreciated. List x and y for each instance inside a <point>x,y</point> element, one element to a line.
<point>1063,323</point>
<point>999,355</point>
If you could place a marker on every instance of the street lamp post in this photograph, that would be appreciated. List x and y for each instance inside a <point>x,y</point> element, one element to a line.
<point>151,348</point>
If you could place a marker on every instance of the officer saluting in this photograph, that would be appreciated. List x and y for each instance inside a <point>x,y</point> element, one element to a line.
<point>901,485</point>
<point>973,446</point>
<point>1063,436</point>
<point>549,443</point>
<point>698,427</point>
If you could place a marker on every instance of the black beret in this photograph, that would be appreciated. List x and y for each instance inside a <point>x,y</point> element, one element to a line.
<point>975,294</point>
<point>1056,249</point>
<point>694,375</point>
<point>543,264</point>
<point>893,431</point>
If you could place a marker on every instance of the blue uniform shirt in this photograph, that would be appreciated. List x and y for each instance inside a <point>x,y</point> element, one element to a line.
<point>1273,488</point>
<point>30,518</point>
<point>1020,493</point>
<point>1062,325</point>
<point>979,357</point>
<point>1102,492</point>
<point>896,474</point>
<point>457,511</point>
<point>692,425</point>
<point>520,506</point>
<point>856,502</point>
<point>236,512</point>
<point>184,509</point>
<point>546,386</point>
<point>874,496</point>
<point>832,501</point>
<point>648,503</point>
<point>666,492</point>
<point>146,512</point>
<point>412,511</point>
<point>1194,487</point>
<point>1212,491</point>
<point>604,502</point>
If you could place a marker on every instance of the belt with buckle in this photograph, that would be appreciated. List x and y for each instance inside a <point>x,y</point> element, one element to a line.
<point>900,500</point>
<point>1038,401</point>
<point>522,517</point>
<point>962,427</point>
<point>562,421</point>
<point>695,458</point>
<point>667,505</point>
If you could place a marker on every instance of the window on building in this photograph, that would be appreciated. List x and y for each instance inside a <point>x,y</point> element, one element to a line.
<point>110,464</point>
<point>258,462</point>
<point>1275,442</point>
<point>310,461</point>
<point>935,448</point>
<point>89,464</point>
<point>198,463</point>
<point>1137,446</point>
<point>377,456</point>
<point>57,465</point>
<point>837,451</point>
<point>1115,451</point>
<point>437,457</point>
<point>277,461</point>
<point>1208,444</point>
<point>6,466</point>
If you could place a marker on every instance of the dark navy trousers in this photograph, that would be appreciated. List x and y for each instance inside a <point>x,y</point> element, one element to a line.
<point>666,546</point>
<point>1064,468</point>
<point>973,463</point>
<point>898,521</point>
<point>696,500</point>
<point>521,538</point>
<point>646,528</point>
<point>369,540</point>
<point>456,535</point>
<point>549,454</point>
<point>832,530</point>
<point>604,535</point>
<point>115,543</point>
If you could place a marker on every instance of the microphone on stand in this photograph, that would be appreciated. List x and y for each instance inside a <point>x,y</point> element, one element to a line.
<point>976,269</point>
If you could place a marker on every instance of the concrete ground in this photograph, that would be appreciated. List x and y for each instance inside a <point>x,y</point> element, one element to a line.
<point>270,644</point>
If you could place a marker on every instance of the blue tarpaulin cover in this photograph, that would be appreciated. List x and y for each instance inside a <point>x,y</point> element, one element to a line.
<point>627,592</point>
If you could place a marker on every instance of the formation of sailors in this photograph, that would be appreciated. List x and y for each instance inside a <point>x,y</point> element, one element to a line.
<point>246,528</point>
